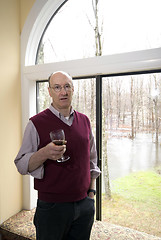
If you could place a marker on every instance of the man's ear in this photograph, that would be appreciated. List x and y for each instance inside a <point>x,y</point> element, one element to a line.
<point>49,90</point>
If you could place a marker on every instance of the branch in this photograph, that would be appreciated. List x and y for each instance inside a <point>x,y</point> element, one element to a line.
<point>89,22</point>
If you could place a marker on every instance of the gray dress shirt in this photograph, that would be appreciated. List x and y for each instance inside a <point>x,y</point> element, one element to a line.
<point>30,145</point>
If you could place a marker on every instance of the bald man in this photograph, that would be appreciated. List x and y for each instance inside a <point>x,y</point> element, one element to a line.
<point>65,206</point>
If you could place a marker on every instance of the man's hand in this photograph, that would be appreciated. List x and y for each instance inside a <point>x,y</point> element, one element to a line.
<point>54,152</point>
<point>91,195</point>
<point>50,151</point>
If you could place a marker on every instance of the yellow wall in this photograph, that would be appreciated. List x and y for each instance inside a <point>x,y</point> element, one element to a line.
<point>12,17</point>
<point>25,7</point>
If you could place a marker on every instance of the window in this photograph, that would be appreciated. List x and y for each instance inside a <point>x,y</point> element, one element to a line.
<point>130,145</point>
<point>107,64</point>
<point>131,151</point>
<point>82,29</point>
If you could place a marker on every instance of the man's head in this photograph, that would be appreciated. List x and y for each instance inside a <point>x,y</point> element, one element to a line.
<point>61,91</point>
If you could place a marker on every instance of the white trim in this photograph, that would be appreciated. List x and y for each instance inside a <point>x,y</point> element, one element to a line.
<point>32,31</point>
<point>111,64</point>
<point>34,26</point>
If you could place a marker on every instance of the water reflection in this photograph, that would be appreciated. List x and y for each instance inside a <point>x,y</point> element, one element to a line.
<point>126,156</point>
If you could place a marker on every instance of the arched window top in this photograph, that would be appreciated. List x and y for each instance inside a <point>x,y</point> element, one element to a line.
<point>83,29</point>
<point>33,29</point>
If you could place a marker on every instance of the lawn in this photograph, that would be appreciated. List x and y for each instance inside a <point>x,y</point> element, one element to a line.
<point>136,202</point>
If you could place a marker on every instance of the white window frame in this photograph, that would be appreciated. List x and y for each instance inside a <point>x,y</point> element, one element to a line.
<point>40,14</point>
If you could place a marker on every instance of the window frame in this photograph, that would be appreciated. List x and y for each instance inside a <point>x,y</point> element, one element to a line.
<point>124,63</point>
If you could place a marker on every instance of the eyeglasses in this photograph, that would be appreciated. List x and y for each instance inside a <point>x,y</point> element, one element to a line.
<point>58,88</point>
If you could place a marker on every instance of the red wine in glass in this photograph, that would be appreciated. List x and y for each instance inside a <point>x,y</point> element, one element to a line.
<point>59,142</point>
<point>58,138</point>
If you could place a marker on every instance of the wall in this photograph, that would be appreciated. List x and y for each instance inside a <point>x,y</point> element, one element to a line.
<point>25,7</point>
<point>12,17</point>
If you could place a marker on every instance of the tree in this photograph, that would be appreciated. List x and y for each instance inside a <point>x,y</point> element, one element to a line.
<point>97,28</point>
<point>105,137</point>
<point>155,100</point>
<point>98,52</point>
<point>132,107</point>
<point>118,100</point>
<point>98,33</point>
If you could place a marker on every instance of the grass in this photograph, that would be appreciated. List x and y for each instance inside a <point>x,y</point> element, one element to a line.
<point>136,202</point>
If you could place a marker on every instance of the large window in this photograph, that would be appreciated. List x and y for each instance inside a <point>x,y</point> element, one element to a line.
<point>82,29</point>
<point>128,28</point>
<point>132,151</point>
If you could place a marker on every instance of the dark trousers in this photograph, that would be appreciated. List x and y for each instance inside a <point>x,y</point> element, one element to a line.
<point>64,221</point>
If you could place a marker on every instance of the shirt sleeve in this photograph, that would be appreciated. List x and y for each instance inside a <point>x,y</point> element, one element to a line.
<point>94,169</point>
<point>29,146</point>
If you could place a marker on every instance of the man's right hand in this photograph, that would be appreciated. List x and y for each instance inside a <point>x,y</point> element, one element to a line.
<point>50,151</point>
<point>54,152</point>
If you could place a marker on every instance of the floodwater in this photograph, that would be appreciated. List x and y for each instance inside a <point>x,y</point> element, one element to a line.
<point>126,155</point>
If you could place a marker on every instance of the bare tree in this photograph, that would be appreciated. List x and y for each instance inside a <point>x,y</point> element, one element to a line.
<point>105,155</point>
<point>132,107</point>
<point>109,106</point>
<point>97,28</point>
<point>118,100</point>
<point>98,52</point>
<point>155,100</point>
<point>98,42</point>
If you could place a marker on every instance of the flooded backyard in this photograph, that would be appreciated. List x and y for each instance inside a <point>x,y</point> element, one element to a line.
<point>126,155</point>
<point>136,198</point>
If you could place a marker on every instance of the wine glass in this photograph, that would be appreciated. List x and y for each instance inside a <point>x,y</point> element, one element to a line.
<point>58,138</point>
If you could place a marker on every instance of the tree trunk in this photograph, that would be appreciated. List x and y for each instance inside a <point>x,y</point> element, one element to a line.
<point>132,109</point>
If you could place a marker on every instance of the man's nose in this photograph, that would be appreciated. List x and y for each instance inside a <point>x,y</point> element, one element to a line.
<point>63,90</point>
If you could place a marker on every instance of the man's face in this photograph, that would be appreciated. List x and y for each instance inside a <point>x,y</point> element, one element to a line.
<point>61,91</point>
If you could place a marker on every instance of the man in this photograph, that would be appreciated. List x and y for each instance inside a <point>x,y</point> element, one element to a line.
<point>65,206</point>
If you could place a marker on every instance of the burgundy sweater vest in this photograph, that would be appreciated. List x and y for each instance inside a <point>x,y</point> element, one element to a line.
<point>68,181</point>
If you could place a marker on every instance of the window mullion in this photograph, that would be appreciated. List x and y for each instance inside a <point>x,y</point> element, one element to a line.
<point>99,145</point>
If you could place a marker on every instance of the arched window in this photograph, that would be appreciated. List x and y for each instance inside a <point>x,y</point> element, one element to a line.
<point>40,44</point>
<point>84,28</point>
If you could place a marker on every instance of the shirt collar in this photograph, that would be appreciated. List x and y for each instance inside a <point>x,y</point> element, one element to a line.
<point>58,114</point>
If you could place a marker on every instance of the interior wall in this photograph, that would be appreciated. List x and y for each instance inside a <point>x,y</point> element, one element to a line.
<point>12,18</point>
<point>25,7</point>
